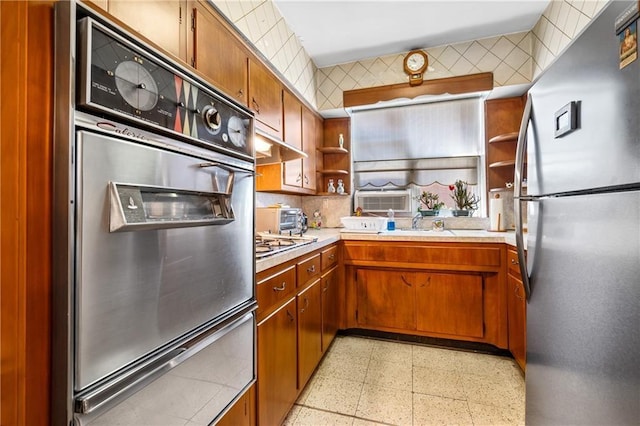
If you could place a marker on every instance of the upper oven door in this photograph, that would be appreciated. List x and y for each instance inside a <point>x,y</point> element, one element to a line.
<point>139,288</point>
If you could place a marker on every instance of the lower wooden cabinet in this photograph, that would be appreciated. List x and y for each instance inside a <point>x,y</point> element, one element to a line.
<point>437,303</point>
<point>445,290</point>
<point>243,412</point>
<point>516,311</point>
<point>386,299</point>
<point>309,331</point>
<point>450,304</point>
<point>277,364</point>
<point>331,306</point>
<point>298,316</point>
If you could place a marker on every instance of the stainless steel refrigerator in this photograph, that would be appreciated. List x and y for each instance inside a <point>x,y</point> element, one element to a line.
<point>580,146</point>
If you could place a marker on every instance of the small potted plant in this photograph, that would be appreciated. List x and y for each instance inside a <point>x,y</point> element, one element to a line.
<point>465,202</point>
<point>431,202</point>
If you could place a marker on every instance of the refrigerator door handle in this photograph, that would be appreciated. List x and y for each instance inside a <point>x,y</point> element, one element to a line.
<point>518,199</point>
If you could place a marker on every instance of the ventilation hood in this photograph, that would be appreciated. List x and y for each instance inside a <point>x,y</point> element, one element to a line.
<point>271,150</point>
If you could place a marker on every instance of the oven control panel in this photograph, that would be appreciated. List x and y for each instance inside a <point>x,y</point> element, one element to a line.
<point>117,77</point>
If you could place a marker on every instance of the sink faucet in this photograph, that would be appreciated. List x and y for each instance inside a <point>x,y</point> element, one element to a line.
<point>414,221</point>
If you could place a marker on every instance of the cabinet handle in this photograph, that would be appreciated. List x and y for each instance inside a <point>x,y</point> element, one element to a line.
<point>404,280</point>
<point>240,93</point>
<point>291,317</point>
<point>312,269</point>
<point>326,287</point>
<point>281,288</point>
<point>514,262</point>
<point>306,179</point>
<point>515,290</point>
<point>256,106</point>
<point>299,178</point>
<point>306,305</point>
<point>332,256</point>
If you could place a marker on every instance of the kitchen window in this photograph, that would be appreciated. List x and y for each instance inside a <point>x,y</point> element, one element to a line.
<point>424,146</point>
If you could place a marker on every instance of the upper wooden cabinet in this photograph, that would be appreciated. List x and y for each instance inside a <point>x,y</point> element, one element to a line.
<point>310,133</point>
<point>335,160</point>
<point>265,98</point>
<point>164,23</point>
<point>217,54</point>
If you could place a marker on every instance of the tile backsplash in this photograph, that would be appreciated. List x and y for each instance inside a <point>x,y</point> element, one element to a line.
<point>330,208</point>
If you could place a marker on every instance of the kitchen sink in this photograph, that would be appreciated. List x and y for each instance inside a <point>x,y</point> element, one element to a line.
<point>408,232</point>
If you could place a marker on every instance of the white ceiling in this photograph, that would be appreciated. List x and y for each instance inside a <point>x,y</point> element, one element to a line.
<point>339,31</point>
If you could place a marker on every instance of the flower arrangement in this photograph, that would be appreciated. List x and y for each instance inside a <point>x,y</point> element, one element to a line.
<point>462,197</point>
<point>430,200</point>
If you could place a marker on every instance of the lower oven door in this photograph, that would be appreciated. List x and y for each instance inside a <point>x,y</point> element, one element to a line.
<point>191,384</point>
<point>139,290</point>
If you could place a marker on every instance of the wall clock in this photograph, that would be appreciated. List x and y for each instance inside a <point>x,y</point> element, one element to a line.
<point>415,63</point>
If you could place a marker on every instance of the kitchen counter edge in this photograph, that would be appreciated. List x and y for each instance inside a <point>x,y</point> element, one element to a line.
<point>329,236</point>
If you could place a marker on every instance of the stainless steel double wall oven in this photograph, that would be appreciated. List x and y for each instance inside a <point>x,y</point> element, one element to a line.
<point>154,246</point>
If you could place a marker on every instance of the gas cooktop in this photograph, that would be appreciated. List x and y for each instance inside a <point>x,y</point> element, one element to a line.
<point>268,244</point>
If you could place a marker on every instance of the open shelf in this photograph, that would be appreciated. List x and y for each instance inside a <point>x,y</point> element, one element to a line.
<point>506,137</point>
<point>331,194</point>
<point>333,172</point>
<point>332,150</point>
<point>506,163</point>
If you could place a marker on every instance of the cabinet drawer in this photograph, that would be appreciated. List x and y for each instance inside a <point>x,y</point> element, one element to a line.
<point>329,258</point>
<point>308,269</point>
<point>425,254</point>
<point>512,263</point>
<point>275,289</point>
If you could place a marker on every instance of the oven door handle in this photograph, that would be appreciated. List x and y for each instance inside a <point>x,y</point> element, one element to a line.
<point>227,167</point>
<point>231,169</point>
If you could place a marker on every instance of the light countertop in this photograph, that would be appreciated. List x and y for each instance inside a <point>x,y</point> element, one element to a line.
<point>329,236</point>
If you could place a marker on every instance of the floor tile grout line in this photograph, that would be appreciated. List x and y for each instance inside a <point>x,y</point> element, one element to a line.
<point>353,416</point>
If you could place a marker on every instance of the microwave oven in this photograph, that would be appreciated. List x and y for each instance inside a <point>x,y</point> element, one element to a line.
<point>280,220</point>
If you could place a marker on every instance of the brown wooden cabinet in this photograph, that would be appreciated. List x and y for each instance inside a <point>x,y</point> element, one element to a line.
<point>516,311</point>
<point>277,364</point>
<point>309,303</point>
<point>243,412</point>
<point>164,23</point>
<point>217,53</point>
<point>265,98</point>
<point>502,123</point>
<point>293,320</point>
<point>335,160</point>
<point>331,307</point>
<point>446,290</point>
<point>292,170</point>
<point>450,304</point>
<point>386,299</point>
<point>310,135</point>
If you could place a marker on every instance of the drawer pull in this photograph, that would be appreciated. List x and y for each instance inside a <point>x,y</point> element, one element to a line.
<point>332,256</point>
<point>312,269</point>
<point>281,288</point>
<point>306,305</point>
<point>514,262</point>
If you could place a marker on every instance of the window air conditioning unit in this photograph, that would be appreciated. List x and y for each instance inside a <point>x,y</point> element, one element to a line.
<point>400,201</point>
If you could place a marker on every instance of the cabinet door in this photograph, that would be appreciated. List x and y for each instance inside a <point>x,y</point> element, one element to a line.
<point>265,98</point>
<point>309,147</point>
<point>516,307</point>
<point>330,307</point>
<point>450,304</point>
<point>162,22</point>
<point>243,411</point>
<point>218,54</point>
<point>277,367</point>
<point>309,331</point>
<point>386,298</point>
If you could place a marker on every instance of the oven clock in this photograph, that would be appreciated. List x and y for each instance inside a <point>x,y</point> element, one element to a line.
<point>415,63</point>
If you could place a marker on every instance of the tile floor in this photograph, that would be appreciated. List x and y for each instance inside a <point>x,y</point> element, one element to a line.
<point>364,381</point>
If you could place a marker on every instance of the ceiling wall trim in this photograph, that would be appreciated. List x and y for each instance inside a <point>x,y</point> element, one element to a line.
<point>450,85</point>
